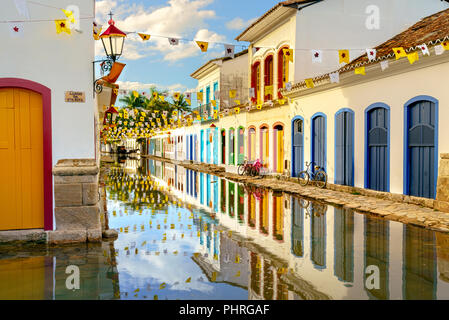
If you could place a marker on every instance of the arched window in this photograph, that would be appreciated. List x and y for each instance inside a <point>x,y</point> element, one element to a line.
<point>282,70</point>
<point>255,81</point>
<point>268,76</point>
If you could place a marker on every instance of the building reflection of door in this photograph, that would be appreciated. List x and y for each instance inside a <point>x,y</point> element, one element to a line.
<point>263,212</point>
<point>278,217</point>
<point>223,195</point>
<point>318,234</point>
<point>420,267</point>
<point>241,204</point>
<point>376,254</point>
<point>23,279</point>
<point>344,244</point>
<point>21,160</point>
<point>297,227</point>
<point>208,191</point>
<point>201,188</point>
<point>256,268</point>
<point>268,280</point>
<point>231,205</point>
<point>251,210</point>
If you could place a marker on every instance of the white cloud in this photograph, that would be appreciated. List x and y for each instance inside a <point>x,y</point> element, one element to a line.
<point>177,18</point>
<point>239,23</point>
<point>139,86</point>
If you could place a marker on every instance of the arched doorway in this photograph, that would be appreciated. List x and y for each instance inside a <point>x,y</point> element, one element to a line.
<point>241,145</point>
<point>344,147</point>
<point>278,148</point>
<point>264,143</point>
<point>421,147</point>
<point>22,159</point>
<point>377,150</point>
<point>231,146</point>
<point>297,145</point>
<point>319,140</point>
<point>251,144</point>
<point>223,146</point>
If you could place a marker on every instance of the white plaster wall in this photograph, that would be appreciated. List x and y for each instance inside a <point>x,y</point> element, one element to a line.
<point>60,62</point>
<point>341,24</point>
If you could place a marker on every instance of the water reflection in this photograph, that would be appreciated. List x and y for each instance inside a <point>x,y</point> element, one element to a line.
<point>190,235</point>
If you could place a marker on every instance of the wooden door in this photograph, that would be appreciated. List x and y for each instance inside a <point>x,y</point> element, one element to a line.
<point>21,160</point>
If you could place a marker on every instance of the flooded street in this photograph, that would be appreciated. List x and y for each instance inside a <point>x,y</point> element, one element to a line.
<point>188,235</point>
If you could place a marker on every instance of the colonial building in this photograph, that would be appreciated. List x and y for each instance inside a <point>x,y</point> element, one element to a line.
<point>47,117</point>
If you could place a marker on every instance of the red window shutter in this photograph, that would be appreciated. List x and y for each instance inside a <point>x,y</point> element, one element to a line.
<point>280,71</point>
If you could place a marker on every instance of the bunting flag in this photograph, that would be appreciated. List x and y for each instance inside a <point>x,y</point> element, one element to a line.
<point>144,37</point>
<point>413,57</point>
<point>371,53</point>
<point>268,90</point>
<point>309,83</point>
<point>135,94</point>
<point>22,8</point>
<point>237,110</point>
<point>237,102</point>
<point>16,30</point>
<point>203,45</point>
<point>317,56</point>
<point>229,51</point>
<point>288,86</point>
<point>173,41</point>
<point>188,97</point>
<point>360,70</point>
<point>252,93</point>
<point>69,15</point>
<point>232,93</point>
<point>445,45</point>
<point>343,56</point>
<point>155,95</point>
<point>439,49</point>
<point>334,77</point>
<point>176,95</point>
<point>288,53</point>
<point>399,52</point>
<point>199,96</point>
<point>96,32</point>
<point>424,49</point>
<point>214,103</point>
<point>384,65</point>
<point>62,26</point>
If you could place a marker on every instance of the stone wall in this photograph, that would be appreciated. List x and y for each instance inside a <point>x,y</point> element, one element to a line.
<point>442,199</point>
<point>76,197</point>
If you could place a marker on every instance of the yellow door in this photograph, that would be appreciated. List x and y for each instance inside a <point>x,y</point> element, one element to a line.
<point>21,160</point>
<point>280,150</point>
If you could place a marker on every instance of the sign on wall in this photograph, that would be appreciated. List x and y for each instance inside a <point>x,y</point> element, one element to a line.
<point>75,96</point>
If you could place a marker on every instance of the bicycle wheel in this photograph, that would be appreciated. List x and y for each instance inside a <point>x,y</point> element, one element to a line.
<point>303,178</point>
<point>321,179</point>
<point>254,171</point>
<point>241,169</point>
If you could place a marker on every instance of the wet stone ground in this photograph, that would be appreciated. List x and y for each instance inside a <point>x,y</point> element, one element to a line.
<point>185,234</point>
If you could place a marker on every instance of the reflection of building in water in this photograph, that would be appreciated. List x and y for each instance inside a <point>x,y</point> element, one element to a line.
<point>328,252</point>
<point>44,276</point>
<point>443,256</point>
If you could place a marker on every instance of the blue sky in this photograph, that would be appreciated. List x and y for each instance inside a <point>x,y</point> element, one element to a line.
<point>155,62</point>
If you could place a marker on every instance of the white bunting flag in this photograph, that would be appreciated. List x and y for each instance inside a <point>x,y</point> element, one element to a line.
<point>317,56</point>
<point>371,53</point>
<point>384,65</point>
<point>424,49</point>
<point>188,95</point>
<point>22,8</point>
<point>335,77</point>
<point>252,93</point>
<point>16,30</point>
<point>229,50</point>
<point>439,49</point>
<point>173,41</point>
<point>288,86</point>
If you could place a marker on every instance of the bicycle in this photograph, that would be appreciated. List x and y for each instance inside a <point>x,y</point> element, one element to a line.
<point>319,176</point>
<point>245,167</point>
<point>256,168</point>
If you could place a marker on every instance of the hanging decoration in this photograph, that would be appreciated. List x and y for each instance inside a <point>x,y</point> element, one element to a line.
<point>62,26</point>
<point>203,45</point>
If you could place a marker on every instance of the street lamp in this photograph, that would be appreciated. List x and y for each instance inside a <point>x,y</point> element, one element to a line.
<point>113,39</point>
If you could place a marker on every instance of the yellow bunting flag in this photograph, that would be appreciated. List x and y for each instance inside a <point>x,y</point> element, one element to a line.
<point>259,107</point>
<point>288,53</point>
<point>232,93</point>
<point>62,26</point>
<point>188,279</point>
<point>309,83</point>
<point>189,102</point>
<point>69,15</point>
<point>214,277</point>
<point>237,102</point>
<point>162,286</point>
<point>343,56</point>
<point>199,96</point>
<point>155,95</point>
<point>268,90</point>
<point>445,45</point>
<point>413,57</point>
<point>360,70</point>
<point>135,94</point>
<point>214,103</point>
<point>399,52</point>
<point>176,95</point>
<point>237,110</point>
<point>96,33</point>
<point>144,36</point>
<point>203,45</point>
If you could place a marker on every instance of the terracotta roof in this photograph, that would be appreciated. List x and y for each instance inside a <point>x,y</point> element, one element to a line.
<point>427,30</point>
<point>280,4</point>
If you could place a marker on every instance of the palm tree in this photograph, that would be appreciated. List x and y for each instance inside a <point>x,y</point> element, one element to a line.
<point>131,101</point>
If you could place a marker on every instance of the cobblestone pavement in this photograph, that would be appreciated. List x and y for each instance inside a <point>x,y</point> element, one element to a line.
<point>397,211</point>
